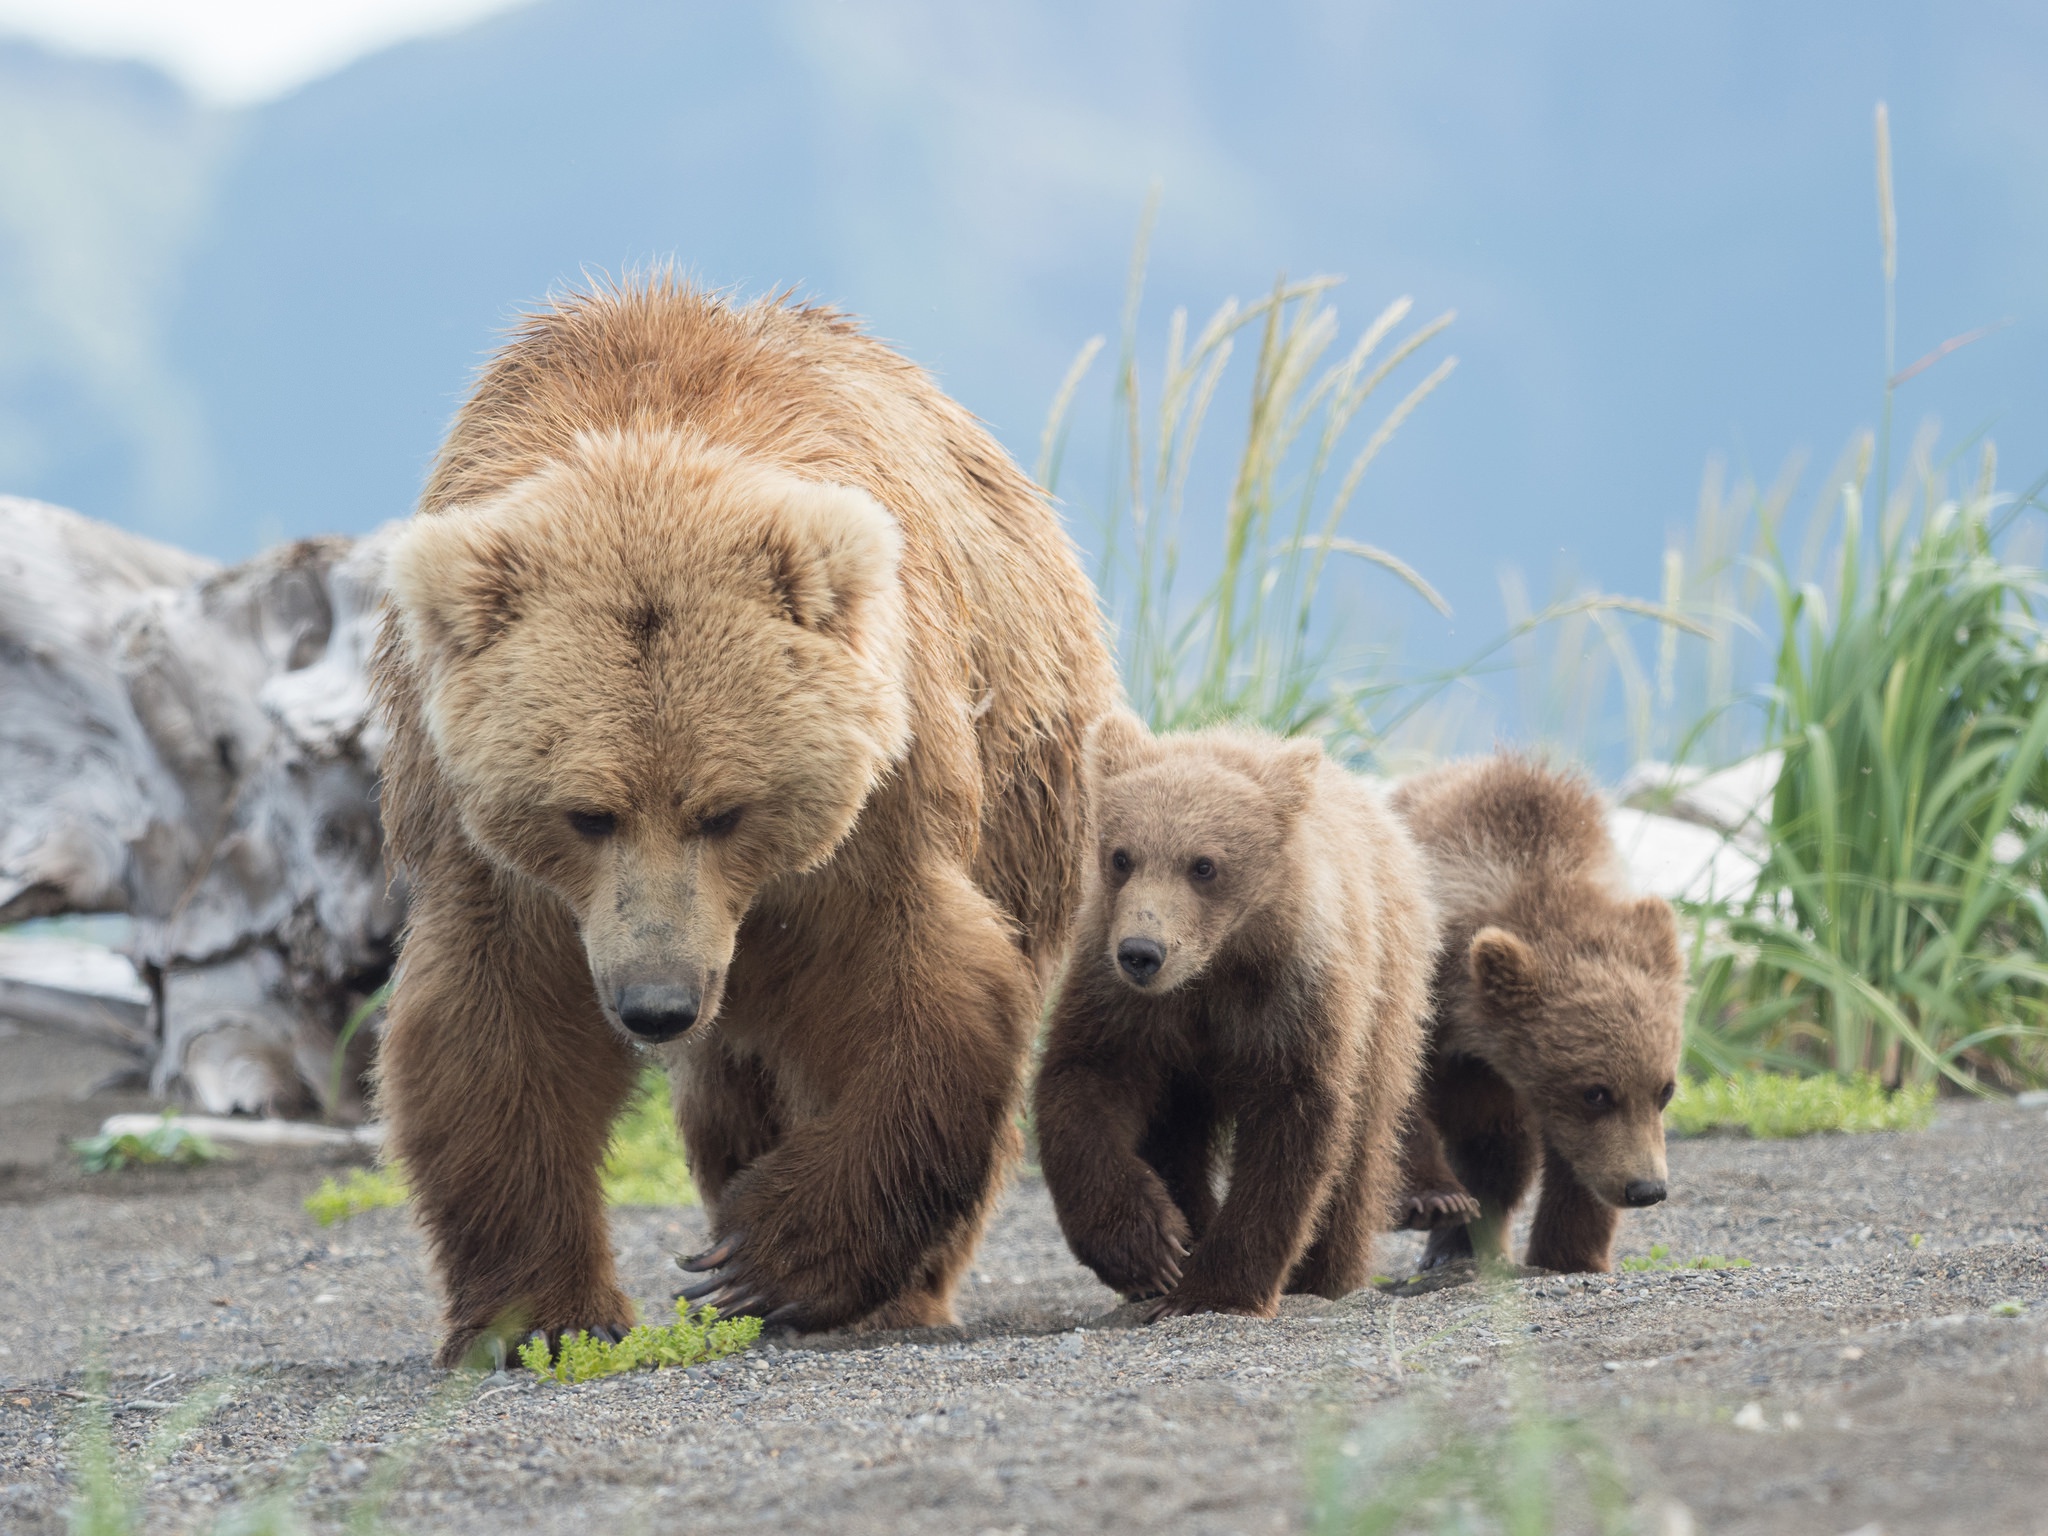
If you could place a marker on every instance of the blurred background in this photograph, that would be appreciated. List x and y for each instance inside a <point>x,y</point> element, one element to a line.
<point>250,253</point>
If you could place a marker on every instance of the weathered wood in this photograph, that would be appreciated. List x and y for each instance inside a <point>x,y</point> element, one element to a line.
<point>195,747</point>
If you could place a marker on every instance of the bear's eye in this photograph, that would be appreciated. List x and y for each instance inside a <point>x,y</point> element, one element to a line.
<point>1120,862</point>
<point>594,824</point>
<point>1599,1098</point>
<point>720,824</point>
<point>1664,1094</point>
<point>1203,869</point>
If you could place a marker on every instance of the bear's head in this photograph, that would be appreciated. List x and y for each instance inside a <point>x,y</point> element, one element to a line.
<point>1192,836</point>
<point>1587,1021</point>
<point>657,676</point>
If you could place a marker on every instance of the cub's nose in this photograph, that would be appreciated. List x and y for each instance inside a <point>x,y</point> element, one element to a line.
<point>1140,959</point>
<point>1643,1191</point>
<point>656,1010</point>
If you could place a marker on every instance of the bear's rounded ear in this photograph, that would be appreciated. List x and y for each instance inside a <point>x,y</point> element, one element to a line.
<point>457,581</point>
<point>1652,923</point>
<point>1290,773</point>
<point>833,553</point>
<point>1504,972</point>
<point>1116,743</point>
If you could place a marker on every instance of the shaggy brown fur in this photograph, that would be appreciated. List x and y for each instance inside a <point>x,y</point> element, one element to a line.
<point>1253,950</point>
<point>1556,1033</point>
<point>736,685</point>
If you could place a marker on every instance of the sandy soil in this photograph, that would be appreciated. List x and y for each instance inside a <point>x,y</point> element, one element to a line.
<point>1889,1334</point>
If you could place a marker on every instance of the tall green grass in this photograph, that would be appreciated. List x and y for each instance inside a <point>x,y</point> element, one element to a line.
<point>1898,926</point>
<point>1255,643</point>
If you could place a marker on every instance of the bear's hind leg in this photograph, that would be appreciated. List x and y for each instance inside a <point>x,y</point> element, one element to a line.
<point>1574,1228</point>
<point>500,1079</point>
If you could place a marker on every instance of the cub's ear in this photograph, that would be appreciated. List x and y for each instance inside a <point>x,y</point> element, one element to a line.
<point>1504,971</point>
<point>833,553</point>
<point>458,580</point>
<point>1290,773</point>
<point>1116,743</point>
<point>1650,921</point>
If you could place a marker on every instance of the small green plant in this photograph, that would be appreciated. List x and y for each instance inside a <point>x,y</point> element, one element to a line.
<point>684,1342</point>
<point>2008,1309</point>
<point>643,1166</point>
<point>1772,1105</point>
<point>357,1191</point>
<point>1660,1259</point>
<point>166,1142</point>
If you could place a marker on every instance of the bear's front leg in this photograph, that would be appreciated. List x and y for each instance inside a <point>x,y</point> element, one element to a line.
<point>1095,1113</point>
<point>1574,1228</point>
<point>499,1079</point>
<point>903,1039</point>
<point>1287,1148</point>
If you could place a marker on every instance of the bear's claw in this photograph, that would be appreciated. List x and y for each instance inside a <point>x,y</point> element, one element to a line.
<point>1437,1208</point>
<point>715,1256</point>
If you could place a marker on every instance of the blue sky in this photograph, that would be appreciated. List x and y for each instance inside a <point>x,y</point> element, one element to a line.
<point>1657,224</point>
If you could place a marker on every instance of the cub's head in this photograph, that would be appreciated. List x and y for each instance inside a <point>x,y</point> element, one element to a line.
<point>1588,1011</point>
<point>1191,838</point>
<point>657,676</point>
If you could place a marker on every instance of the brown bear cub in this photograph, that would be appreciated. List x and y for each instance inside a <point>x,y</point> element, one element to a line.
<point>1555,1041</point>
<point>1252,951</point>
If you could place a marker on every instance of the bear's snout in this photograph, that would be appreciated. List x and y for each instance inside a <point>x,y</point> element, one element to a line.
<point>1643,1191</point>
<point>1140,959</point>
<point>657,1010</point>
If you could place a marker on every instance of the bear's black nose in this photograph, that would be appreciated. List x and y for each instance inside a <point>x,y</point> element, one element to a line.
<point>657,1010</point>
<point>1140,958</point>
<point>1643,1191</point>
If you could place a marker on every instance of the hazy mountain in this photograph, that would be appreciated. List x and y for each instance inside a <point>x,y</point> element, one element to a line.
<point>1657,224</point>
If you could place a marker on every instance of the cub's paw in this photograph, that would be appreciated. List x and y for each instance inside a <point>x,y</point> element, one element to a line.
<point>1446,1246</point>
<point>1432,1209</point>
<point>1142,1256</point>
<point>1188,1302</point>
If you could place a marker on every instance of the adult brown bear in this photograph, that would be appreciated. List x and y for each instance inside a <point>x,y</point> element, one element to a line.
<point>736,684</point>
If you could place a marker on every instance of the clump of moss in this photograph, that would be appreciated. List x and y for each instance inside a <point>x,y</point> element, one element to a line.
<point>166,1142</point>
<point>1770,1105</point>
<point>681,1343</point>
<point>357,1191</point>
<point>643,1166</point>
<point>1660,1258</point>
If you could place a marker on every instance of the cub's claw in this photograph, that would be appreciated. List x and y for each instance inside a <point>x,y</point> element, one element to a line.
<point>1434,1209</point>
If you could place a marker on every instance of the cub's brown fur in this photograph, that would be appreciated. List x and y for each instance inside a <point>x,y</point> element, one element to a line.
<point>1558,1009</point>
<point>1253,950</point>
<point>736,685</point>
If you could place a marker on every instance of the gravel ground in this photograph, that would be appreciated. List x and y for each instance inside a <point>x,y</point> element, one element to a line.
<point>1882,1363</point>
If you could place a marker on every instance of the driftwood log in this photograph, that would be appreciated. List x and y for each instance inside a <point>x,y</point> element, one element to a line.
<point>194,746</point>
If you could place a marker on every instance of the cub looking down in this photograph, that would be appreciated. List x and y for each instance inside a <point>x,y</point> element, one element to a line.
<point>1558,1012</point>
<point>1253,951</point>
<point>736,684</point>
